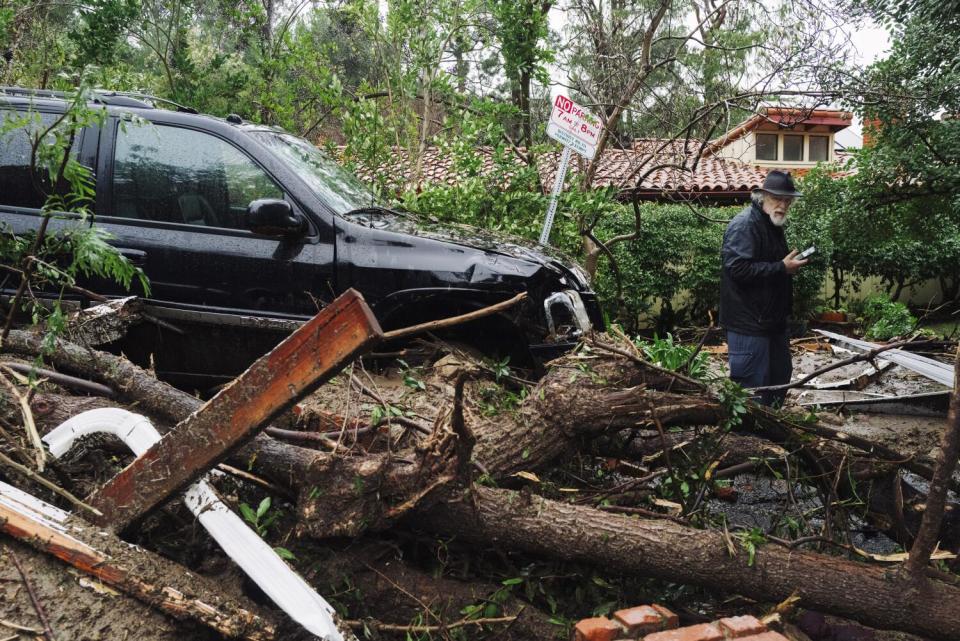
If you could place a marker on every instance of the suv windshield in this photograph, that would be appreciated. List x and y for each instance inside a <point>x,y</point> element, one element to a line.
<point>336,186</point>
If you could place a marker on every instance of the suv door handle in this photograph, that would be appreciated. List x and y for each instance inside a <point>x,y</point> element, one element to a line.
<point>136,257</point>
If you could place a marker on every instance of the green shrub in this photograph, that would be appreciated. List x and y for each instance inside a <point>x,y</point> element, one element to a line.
<point>674,356</point>
<point>671,271</point>
<point>884,319</point>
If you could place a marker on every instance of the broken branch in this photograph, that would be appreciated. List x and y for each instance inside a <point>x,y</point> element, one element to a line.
<point>454,320</point>
<point>929,532</point>
<point>856,358</point>
<point>141,574</point>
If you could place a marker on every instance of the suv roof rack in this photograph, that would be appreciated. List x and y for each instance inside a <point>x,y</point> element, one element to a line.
<point>139,96</point>
<point>135,99</point>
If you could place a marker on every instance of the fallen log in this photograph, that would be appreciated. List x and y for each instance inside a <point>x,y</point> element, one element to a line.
<point>667,550</point>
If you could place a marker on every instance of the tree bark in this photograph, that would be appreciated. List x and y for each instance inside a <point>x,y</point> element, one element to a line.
<point>663,549</point>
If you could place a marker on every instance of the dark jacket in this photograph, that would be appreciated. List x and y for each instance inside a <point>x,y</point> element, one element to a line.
<point>756,292</point>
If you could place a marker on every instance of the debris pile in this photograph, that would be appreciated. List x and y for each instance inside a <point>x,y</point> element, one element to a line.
<point>390,497</point>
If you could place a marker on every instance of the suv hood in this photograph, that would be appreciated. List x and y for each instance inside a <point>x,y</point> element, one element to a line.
<point>473,237</point>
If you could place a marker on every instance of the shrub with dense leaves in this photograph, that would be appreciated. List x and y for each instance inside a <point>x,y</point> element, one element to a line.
<point>883,318</point>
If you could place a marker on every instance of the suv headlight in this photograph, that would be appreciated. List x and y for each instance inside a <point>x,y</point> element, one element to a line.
<point>570,301</point>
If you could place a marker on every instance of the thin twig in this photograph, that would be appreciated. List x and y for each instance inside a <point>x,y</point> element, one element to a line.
<point>419,629</point>
<point>21,628</point>
<point>703,339</point>
<point>53,487</point>
<point>28,422</point>
<point>47,632</point>
<point>856,358</point>
<point>665,447</point>
<point>639,511</point>
<point>256,480</point>
<point>649,365</point>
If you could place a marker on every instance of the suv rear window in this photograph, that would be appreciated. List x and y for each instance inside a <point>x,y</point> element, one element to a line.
<point>178,175</point>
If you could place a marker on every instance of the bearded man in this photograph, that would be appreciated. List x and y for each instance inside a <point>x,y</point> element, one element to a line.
<point>756,288</point>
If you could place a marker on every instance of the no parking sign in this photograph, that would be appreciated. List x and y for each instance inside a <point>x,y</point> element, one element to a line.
<point>577,130</point>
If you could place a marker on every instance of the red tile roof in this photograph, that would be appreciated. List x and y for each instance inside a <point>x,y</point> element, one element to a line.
<point>665,168</point>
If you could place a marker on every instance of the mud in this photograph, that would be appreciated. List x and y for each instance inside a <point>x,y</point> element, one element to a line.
<point>916,436</point>
<point>77,606</point>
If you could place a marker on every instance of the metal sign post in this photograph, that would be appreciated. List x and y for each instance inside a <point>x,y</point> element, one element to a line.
<point>555,194</point>
<point>577,130</point>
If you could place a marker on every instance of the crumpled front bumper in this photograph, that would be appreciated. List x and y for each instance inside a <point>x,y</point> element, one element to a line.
<point>570,315</point>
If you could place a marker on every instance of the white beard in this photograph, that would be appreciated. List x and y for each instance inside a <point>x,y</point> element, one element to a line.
<point>778,219</point>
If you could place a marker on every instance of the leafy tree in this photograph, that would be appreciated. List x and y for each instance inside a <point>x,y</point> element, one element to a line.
<point>522,29</point>
<point>907,183</point>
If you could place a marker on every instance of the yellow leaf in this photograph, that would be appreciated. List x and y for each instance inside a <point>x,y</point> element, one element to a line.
<point>530,476</point>
<point>675,508</point>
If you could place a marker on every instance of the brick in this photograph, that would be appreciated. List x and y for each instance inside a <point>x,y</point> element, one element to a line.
<point>742,626</point>
<point>670,620</point>
<point>766,636</point>
<point>596,629</point>
<point>702,632</point>
<point>639,620</point>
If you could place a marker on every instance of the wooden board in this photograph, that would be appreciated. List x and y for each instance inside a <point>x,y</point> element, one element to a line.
<point>302,362</point>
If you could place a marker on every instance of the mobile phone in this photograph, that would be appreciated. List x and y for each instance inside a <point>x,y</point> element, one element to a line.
<point>806,253</point>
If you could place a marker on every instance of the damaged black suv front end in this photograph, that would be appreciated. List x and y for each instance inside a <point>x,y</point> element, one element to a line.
<point>412,270</point>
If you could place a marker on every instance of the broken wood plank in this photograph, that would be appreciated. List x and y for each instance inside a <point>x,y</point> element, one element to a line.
<point>143,575</point>
<point>307,358</point>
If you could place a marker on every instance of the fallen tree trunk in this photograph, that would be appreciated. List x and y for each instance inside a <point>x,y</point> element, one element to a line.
<point>661,548</point>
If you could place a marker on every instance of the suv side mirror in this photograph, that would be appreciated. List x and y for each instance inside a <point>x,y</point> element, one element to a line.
<point>274,217</point>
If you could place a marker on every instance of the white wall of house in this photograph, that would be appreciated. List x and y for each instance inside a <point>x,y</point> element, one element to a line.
<point>744,149</point>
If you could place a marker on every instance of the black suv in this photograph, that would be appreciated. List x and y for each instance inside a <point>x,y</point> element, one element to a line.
<point>245,231</point>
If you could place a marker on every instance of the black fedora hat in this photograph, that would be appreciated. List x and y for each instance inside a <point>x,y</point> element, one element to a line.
<point>780,183</point>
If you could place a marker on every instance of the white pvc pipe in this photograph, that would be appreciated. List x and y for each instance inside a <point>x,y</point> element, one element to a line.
<point>278,581</point>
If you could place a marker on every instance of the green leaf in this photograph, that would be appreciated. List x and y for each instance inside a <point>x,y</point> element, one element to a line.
<point>285,554</point>
<point>263,507</point>
<point>248,514</point>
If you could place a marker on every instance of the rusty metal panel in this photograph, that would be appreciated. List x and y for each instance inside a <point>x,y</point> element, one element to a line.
<point>307,358</point>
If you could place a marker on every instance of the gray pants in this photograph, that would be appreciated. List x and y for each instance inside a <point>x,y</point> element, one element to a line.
<point>759,361</point>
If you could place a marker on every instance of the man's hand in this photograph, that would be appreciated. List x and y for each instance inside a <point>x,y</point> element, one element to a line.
<point>792,264</point>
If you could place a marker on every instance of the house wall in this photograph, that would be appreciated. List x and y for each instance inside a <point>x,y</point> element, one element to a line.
<point>743,149</point>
